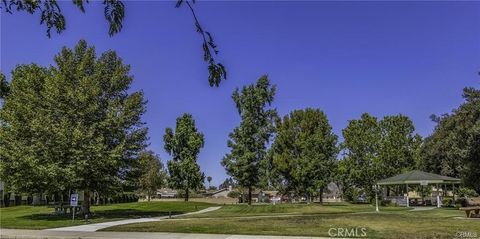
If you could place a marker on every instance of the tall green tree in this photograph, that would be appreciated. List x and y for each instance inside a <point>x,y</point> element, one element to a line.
<point>375,150</point>
<point>184,146</point>
<point>71,126</point>
<point>304,152</point>
<point>454,147</point>
<point>152,173</point>
<point>441,153</point>
<point>248,141</point>
<point>360,165</point>
<point>52,16</point>
<point>399,146</point>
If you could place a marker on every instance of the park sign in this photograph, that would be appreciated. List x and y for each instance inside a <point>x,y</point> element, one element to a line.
<point>74,200</point>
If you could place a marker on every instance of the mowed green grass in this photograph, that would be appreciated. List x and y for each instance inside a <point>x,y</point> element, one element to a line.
<point>317,220</point>
<point>285,209</point>
<point>41,217</point>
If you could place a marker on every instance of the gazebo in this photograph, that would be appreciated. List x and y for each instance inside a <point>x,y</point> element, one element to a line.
<point>416,177</point>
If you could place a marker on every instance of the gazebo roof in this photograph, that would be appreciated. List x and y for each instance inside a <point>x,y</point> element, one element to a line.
<point>418,177</point>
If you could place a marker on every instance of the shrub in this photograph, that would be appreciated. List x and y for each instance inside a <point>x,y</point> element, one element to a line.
<point>386,202</point>
<point>461,202</point>
<point>447,202</point>
<point>234,194</point>
<point>352,194</point>
<point>467,192</point>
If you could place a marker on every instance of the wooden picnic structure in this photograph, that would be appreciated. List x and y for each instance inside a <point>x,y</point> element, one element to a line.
<point>472,208</point>
<point>417,177</point>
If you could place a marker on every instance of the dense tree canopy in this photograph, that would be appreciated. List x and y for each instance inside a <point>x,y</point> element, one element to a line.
<point>152,174</point>
<point>304,152</point>
<point>375,150</point>
<point>454,147</point>
<point>248,141</point>
<point>52,16</point>
<point>71,126</point>
<point>184,146</point>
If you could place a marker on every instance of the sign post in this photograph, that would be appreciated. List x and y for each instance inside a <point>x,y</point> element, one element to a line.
<point>74,204</point>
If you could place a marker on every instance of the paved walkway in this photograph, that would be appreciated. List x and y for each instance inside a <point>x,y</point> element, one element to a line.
<point>415,209</point>
<point>33,234</point>
<point>97,226</point>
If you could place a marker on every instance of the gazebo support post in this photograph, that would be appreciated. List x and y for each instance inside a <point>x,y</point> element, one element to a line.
<point>408,201</point>
<point>438,197</point>
<point>376,198</point>
<point>453,192</point>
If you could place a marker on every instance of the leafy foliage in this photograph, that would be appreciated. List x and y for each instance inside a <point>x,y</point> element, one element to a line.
<point>375,150</point>
<point>454,147</point>
<point>51,14</point>
<point>304,152</point>
<point>114,11</point>
<point>184,146</point>
<point>152,173</point>
<point>217,70</point>
<point>248,141</point>
<point>72,126</point>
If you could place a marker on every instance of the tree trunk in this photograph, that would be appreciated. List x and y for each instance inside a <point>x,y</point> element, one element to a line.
<point>186,195</point>
<point>149,195</point>
<point>86,202</point>
<point>321,195</point>
<point>98,199</point>
<point>249,195</point>
<point>6,199</point>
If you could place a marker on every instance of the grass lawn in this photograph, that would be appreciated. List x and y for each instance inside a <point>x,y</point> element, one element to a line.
<point>316,220</point>
<point>41,217</point>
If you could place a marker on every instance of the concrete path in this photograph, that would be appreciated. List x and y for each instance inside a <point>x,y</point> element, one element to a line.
<point>33,234</point>
<point>415,209</point>
<point>97,226</point>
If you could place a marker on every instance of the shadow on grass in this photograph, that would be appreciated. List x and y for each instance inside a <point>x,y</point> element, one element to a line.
<point>105,214</point>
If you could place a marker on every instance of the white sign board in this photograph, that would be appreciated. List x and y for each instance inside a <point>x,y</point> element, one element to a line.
<point>424,182</point>
<point>74,200</point>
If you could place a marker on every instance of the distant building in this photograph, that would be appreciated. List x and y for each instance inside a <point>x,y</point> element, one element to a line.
<point>332,194</point>
<point>265,196</point>
<point>221,193</point>
<point>166,193</point>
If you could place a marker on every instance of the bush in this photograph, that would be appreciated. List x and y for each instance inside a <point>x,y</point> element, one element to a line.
<point>386,202</point>
<point>353,194</point>
<point>467,192</point>
<point>234,194</point>
<point>461,202</point>
<point>447,202</point>
<point>191,194</point>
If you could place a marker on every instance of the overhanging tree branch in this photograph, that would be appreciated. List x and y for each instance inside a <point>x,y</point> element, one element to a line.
<point>51,15</point>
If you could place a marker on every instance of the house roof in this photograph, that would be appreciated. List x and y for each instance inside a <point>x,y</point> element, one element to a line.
<point>166,191</point>
<point>216,192</point>
<point>418,177</point>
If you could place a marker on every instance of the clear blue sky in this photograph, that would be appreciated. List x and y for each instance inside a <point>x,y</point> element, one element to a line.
<point>345,58</point>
